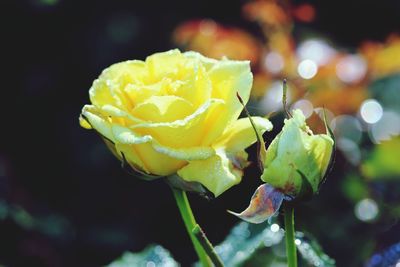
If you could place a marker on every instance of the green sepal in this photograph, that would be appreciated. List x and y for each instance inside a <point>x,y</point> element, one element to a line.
<point>306,190</point>
<point>333,155</point>
<point>261,150</point>
<point>177,182</point>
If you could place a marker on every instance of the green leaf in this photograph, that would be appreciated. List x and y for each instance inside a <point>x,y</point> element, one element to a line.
<point>153,255</point>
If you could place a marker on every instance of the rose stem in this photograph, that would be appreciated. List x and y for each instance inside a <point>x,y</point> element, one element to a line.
<point>202,238</point>
<point>190,222</point>
<point>289,235</point>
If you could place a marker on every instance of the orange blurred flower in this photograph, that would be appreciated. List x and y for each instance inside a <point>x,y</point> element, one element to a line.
<point>383,58</point>
<point>342,69</point>
<point>304,13</point>
<point>267,12</point>
<point>214,40</point>
<point>283,43</point>
<point>339,100</point>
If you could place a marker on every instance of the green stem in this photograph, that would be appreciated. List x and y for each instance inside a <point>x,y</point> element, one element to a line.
<point>190,222</point>
<point>289,235</point>
<point>208,247</point>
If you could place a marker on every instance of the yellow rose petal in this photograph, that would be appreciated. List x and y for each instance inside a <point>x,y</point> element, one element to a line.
<point>163,109</point>
<point>195,85</point>
<point>97,122</point>
<point>130,71</point>
<point>228,78</point>
<point>207,62</point>
<point>138,93</point>
<point>109,87</point>
<point>182,133</point>
<point>155,162</point>
<point>165,64</point>
<point>241,134</point>
<point>131,156</point>
<point>215,173</point>
<point>115,112</point>
<point>191,153</point>
<point>84,123</point>
<point>100,94</point>
<point>126,136</point>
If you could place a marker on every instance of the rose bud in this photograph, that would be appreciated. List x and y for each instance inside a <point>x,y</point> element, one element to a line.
<point>295,164</point>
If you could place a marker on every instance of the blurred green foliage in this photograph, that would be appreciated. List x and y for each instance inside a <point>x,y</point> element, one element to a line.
<point>247,245</point>
<point>383,161</point>
<point>153,255</point>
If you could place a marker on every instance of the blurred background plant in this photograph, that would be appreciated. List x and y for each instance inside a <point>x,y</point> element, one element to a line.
<point>64,200</point>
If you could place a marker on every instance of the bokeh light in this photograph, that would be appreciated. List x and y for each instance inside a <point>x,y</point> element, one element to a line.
<point>346,126</point>
<point>274,62</point>
<point>275,227</point>
<point>387,127</point>
<point>350,150</point>
<point>351,68</point>
<point>371,111</point>
<point>366,210</point>
<point>305,106</point>
<point>307,69</point>
<point>319,51</point>
<point>272,100</point>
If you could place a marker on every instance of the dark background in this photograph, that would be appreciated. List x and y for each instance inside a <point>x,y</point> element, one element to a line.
<point>88,210</point>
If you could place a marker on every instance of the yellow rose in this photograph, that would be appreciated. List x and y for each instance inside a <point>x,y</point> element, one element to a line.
<point>176,113</point>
